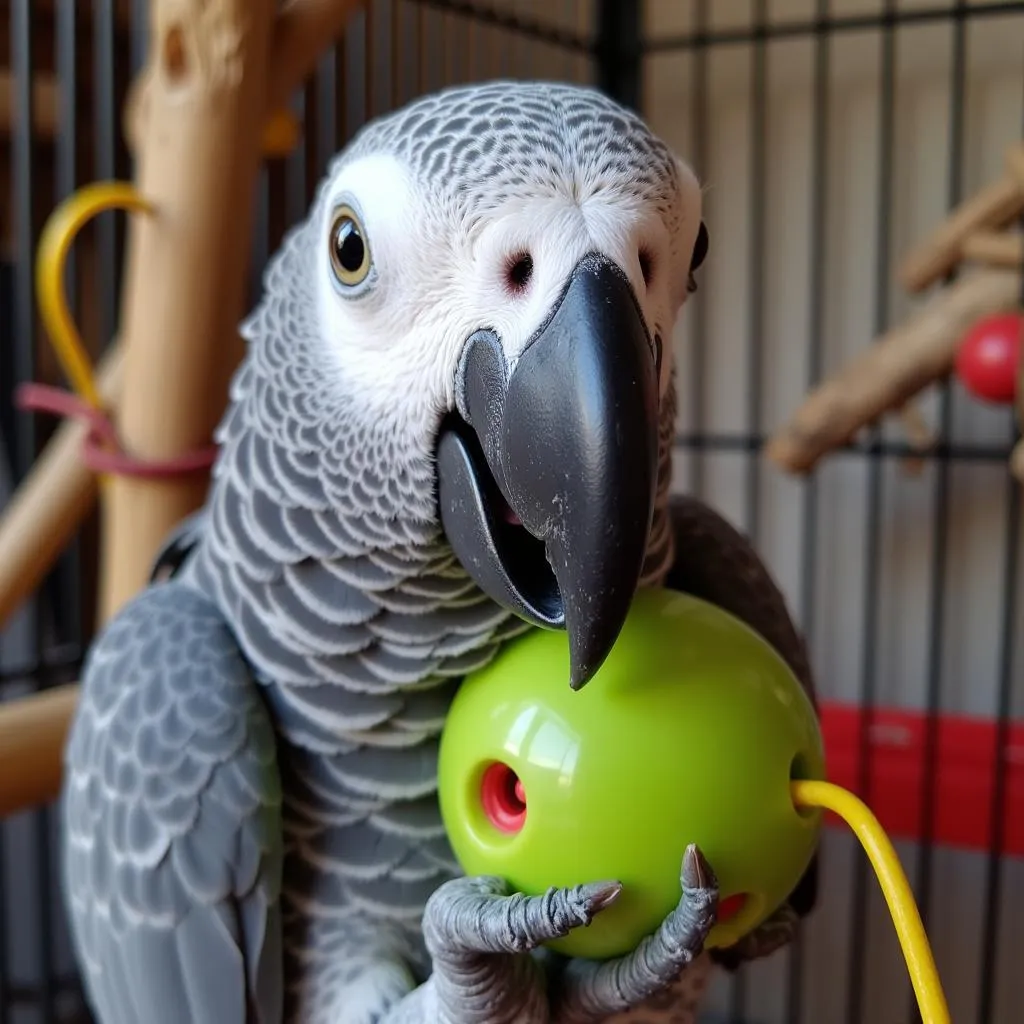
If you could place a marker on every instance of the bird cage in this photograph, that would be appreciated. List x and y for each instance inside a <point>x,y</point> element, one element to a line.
<point>860,160</point>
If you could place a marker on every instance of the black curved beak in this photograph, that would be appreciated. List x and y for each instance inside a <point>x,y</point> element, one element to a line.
<point>546,478</point>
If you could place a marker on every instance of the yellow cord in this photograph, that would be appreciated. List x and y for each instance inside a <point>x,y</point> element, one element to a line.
<point>897,891</point>
<point>54,244</point>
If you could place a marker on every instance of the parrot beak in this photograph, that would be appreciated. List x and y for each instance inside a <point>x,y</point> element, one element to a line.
<point>547,476</point>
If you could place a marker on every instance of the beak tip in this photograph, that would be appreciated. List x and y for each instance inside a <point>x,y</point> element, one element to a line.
<point>582,669</point>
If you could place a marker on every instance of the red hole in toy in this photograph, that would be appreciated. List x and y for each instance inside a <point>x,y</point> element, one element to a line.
<point>731,905</point>
<point>503,798</point>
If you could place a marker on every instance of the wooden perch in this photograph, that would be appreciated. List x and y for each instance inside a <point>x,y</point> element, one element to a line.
<point>197,157</point>
<point>280,135</point>
<point>995,249</point>
<point>993,207</point>
<point>48,507</point>
<point>885,376</point>
<point>45,105</point>
<point>33,731</point>
<point>302,31</point>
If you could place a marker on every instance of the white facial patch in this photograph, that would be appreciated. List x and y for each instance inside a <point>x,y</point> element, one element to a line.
<point>555,233</point>
<point>437,276</point>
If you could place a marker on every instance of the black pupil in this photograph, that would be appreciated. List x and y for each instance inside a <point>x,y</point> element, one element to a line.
<point>348,245</point>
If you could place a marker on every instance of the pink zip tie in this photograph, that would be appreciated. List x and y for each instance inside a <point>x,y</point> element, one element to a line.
<point>101,450</point>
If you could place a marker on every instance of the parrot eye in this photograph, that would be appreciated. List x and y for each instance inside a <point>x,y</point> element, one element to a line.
<point>700,252</point>
<point>350,255</point>
<point>700,248</point>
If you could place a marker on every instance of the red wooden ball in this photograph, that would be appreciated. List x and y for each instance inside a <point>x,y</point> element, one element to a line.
<point>988,357</point>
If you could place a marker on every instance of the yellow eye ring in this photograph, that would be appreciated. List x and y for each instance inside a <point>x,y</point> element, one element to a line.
<point>349,250</point>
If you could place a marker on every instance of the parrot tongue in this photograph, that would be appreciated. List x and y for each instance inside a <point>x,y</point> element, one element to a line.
<point>546,478</point>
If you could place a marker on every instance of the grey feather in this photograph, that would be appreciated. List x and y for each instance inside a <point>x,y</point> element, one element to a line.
<point>172,816</point>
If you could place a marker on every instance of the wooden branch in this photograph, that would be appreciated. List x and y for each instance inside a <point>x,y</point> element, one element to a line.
<point>196,161</point>
<point>50,504</point>
<point>281,133</point>
<point>302,33</point>
<point>303,30</point>
<point>995,249</point>
<point>45,105</point>
<point>33,731</point>
<point>886,375</point>
<point>992,207</point>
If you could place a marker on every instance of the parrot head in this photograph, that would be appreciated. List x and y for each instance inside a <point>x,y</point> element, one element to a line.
<point>494,273</point>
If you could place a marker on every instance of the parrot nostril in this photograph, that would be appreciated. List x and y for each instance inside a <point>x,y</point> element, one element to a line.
<point>519,272</point>
<point>503,798</point>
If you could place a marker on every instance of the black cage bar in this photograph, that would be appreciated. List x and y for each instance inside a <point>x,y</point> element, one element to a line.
<point>754,94</point>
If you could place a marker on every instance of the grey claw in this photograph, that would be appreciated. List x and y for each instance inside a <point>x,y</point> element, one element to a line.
<point>470,916</point>
<point>601,895</point>
<point>591,991</point>
<point>696,873</point>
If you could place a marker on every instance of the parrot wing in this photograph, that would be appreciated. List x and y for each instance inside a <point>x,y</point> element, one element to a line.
<point>718,564</point>
<point>172,822</point>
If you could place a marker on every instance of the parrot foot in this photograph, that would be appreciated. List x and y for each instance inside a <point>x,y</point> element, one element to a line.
<point>470,916</point>
<point>480,939</point>
<point>591,991</point>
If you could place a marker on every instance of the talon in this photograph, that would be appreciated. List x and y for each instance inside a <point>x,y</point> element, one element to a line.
<point>602,894</point>
<point>477,915</point>
<point>697,872</point>
<point>592,990</point>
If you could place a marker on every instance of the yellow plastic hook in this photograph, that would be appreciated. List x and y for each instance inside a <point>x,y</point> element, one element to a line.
<point>55,242</point>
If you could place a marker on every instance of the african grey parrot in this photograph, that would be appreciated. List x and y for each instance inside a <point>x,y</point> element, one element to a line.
<point>453,423</point>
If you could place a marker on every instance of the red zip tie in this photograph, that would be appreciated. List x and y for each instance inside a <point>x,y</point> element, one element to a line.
<point>101,450</point>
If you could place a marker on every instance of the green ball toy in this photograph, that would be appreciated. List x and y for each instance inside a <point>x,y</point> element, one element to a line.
<point>690,732</point>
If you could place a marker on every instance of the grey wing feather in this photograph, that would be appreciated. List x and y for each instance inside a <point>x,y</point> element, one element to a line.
<point>172,822</point>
